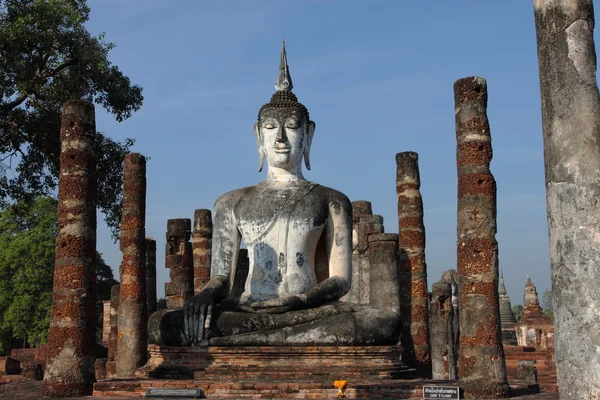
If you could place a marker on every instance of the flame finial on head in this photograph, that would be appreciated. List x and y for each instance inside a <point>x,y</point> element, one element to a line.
<point>284,80</point>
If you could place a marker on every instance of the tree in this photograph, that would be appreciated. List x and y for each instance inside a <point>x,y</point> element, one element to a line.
<point>547,304</point>
<point>27,241</point>
<point>517,310</point>
<point>27,248</point>
<point>46,58</point>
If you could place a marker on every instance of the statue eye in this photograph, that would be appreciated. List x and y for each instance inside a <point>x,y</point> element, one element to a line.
<point>292,123</point>
<point>270,124</point>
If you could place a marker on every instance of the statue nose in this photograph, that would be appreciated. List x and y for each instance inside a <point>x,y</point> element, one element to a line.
<point>281,136</point>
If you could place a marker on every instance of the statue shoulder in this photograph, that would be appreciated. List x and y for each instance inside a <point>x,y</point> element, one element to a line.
<point>230,199</point>
<point>336,198</point>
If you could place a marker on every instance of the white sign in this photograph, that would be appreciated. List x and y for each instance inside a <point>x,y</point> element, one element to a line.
<point>441,392</point>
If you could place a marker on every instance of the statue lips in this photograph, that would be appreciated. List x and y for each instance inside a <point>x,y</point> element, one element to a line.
<point>285,149</point>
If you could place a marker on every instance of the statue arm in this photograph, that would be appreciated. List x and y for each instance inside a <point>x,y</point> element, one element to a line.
<point>338,233</point>
<point>225,249</point>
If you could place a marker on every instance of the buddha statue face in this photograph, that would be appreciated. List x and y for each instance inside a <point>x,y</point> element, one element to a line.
<point>284,136</point>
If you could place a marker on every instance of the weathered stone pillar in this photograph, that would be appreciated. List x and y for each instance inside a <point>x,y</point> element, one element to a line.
<point>385,280</point>
<point>202,248</point>
<point>151,275</point>
<point>133,316</point>
<point>179,260</point>
<point>71,339</point>
<point>413,269</point>
<point>441,331</point>
<point>481,365</point>
<point>364,223</point>
<point>111,344</point>
<point>571,125</point>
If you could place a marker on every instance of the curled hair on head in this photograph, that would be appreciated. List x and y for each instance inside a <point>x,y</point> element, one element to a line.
<point>282,100</point>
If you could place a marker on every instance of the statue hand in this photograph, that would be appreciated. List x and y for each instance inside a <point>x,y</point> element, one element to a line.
<point>194,315</point>
<point>281,304</point>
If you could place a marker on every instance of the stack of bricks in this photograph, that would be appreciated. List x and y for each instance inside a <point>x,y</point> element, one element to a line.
<point>481,365</point>
<point>202,248</point>
<point>133,317</point>
<point>151,275</point>
<point>179,260</point>
<point>364,223</point>
<point>413,269</point>
<point>71,338</point>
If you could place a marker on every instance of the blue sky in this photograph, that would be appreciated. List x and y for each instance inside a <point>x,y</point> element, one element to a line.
<point>377,77</point>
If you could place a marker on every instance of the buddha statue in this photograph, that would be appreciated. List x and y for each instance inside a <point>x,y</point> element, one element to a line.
<point>299,240</point>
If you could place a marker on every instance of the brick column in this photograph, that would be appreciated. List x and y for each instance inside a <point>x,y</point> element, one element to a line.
<point>413,269</point>
<point>151,275</point>
<point>202,248</point>
<point>133,317</point>
<point>111,344</point>
<point>481,365</point>
<point>179,260</point>
<point>71,338</point>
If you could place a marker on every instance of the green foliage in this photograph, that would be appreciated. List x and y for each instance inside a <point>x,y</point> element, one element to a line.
<point>27,241</point>
<point>517,310</point>
<point>547,304</point>
<point>27,245</point>
<point>47,57</point>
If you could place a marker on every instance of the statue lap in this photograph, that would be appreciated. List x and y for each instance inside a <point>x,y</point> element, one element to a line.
<point>335,324</point>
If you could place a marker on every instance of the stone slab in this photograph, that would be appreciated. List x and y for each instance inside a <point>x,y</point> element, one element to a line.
<point>173,393</point>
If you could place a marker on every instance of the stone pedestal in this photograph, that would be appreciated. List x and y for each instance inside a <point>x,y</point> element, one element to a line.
<point>133,313</point>
<point>179,260</point>
<point>71,338</point>
<point>272,363</point>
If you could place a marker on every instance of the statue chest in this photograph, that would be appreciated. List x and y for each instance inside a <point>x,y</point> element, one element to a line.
<point>269,215</point>
<point>281,234</point>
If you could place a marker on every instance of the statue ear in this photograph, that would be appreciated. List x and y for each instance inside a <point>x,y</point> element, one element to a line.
<point>310,131</point>
<point>259,145</point>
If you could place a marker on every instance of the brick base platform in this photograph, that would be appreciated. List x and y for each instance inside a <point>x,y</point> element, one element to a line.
<point>405,389</point>
<point>545,364</point>
<point>313,363</point>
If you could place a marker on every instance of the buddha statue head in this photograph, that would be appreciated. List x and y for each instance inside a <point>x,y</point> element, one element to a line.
<point>284,130</point>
